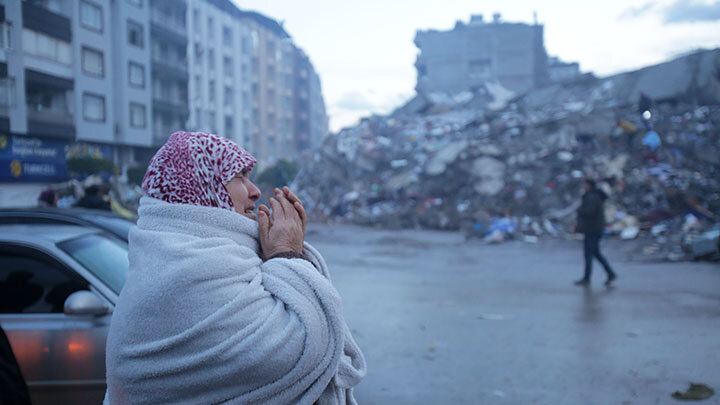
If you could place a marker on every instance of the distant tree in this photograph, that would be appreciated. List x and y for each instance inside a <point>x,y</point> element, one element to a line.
<point>89,165</point>
<point>279,175</point>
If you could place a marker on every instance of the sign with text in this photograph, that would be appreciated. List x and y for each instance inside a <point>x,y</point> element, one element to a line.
<point>24,158</point>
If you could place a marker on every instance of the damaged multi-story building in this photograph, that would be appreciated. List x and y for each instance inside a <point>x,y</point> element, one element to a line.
<point>475,53</point>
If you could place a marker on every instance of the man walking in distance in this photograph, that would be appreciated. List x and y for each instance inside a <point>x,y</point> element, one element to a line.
<point>591,223</point>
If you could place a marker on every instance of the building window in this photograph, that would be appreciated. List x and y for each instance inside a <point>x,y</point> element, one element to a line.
<point>93,107</point>
<point>198,118</point>
<point>91,16</point>
<point>211,122</point>
<point>7,92</point>
<point>227,66</point>
<point>196,19</point>
<point>135,34</point>
<point>135,2</point>
<point>211,91</point>
<point>227,36</point>
<point>198,53</point>
<point>137,115</point>
<point>228,96</point>
<point>211,28</point>
<point>39,44</point>
<point>198,87</point>
<point>92,62</point>
<point>244,44</point>
<point>6,34</point>
<point>228,126</point>
<point>211,59</point>
<point>136,75</point>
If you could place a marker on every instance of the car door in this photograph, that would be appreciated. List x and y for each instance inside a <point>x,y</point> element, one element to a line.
<point>62,357</point>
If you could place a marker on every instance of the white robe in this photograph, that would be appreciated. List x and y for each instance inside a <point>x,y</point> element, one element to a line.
<point>203,320</point>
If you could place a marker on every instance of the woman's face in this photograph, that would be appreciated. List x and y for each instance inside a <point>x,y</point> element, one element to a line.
<point>243,194</point>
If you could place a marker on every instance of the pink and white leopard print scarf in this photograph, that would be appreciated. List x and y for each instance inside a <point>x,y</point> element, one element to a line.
<point>193,168</point>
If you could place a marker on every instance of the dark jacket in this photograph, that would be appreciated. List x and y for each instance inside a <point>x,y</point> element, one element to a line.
<point>591,214</point>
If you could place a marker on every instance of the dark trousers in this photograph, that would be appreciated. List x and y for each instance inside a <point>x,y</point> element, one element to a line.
<point>592,251</point>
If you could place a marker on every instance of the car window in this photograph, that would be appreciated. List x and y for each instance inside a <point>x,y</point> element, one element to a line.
<point>106,257</point>
<point>118,226</point>
<point>33,283</point>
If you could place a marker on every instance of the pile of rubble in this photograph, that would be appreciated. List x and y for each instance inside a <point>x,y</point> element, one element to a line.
<point>500,166</point>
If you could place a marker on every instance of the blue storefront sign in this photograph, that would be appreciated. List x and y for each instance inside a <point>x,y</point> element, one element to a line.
<point>24,158</point>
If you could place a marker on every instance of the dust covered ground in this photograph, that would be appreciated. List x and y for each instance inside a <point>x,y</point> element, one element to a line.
<point>445,321</point>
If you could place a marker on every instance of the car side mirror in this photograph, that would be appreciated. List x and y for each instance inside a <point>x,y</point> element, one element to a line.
<point>85,303</point>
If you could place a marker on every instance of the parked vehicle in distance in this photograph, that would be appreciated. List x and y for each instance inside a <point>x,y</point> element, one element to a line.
<point>107,221</point>
<point>58,287</point>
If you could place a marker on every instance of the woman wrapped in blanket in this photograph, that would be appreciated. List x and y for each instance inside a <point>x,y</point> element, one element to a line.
<point>222,304</point>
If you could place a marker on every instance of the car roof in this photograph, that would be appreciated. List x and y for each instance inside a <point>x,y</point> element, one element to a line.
<point>69,212</point>
<point>42,233</point>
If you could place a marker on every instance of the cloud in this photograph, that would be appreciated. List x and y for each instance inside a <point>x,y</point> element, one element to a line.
<point>683,11</point>
<point>353,105</point>
<point>679,11</point>
<point>639,11</point>
<point>355,101</point>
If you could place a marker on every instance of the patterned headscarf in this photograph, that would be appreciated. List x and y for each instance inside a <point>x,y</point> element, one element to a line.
<point>193,168</point>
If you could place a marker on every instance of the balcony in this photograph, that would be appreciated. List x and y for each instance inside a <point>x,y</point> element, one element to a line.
<point>165,27</point>
<point>5,38</point>
<point>170,69</point>
<point>171,107</point>
<point>7,94</point>
<point>54,123</point>
<point>40,19</point>
<point>47,100</point>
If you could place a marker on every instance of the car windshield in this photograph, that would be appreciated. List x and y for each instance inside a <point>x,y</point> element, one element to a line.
<point>118,226</point>
<point>105,257</point>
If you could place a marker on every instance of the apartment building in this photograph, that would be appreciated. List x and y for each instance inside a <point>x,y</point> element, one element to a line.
<point>114,78</point>
<point>74,81</point>
<point>244,81</point>
<point>219,61</point>
<point>168,45</point>
<point>310,117</point>
<point>478,52</point>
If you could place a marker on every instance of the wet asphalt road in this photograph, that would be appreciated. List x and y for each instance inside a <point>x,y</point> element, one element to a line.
<point>444,321</point>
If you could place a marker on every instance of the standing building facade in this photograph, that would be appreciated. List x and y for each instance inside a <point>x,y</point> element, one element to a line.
<point>272,86</point>
<point>244,81</point>
<point>559,71</point>
<point>219,52</point>
<point>472,54</point>
<point>74,82</point>
<point>113,79</point>
<point>168,48</point>
<point>310,120</point>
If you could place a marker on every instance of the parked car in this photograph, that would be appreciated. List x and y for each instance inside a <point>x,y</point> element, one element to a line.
<point>107,221</point>
<point>58,287</point>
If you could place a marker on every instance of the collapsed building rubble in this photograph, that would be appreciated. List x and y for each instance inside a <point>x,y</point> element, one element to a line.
<point>498,166</point>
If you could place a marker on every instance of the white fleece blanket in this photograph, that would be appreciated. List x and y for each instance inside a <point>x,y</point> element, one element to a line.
<point>203,320</point>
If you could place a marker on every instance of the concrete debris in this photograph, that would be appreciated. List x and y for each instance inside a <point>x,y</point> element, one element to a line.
<point>498,166</point>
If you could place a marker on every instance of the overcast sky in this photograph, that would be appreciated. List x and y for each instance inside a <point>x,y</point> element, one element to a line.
<point>364,51</point>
